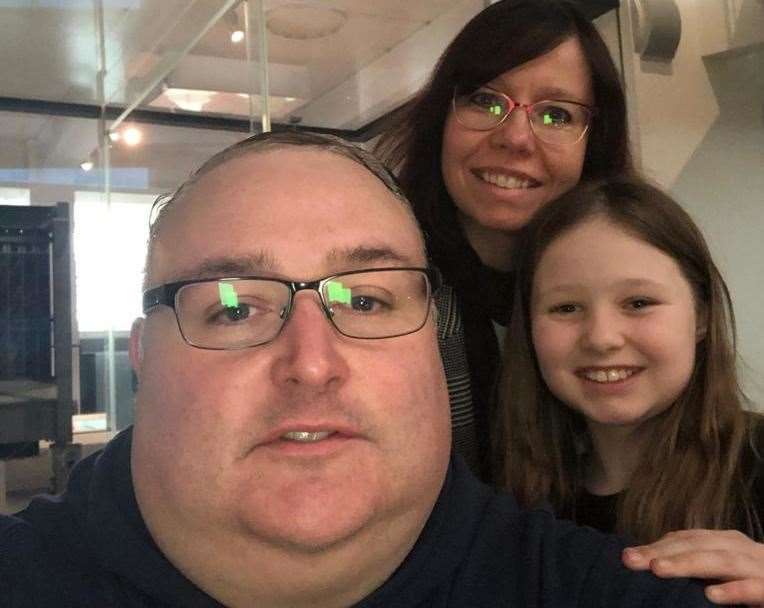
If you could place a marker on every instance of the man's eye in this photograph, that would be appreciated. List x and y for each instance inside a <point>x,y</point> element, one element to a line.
<point>231,314</point>
<point>366,304</point>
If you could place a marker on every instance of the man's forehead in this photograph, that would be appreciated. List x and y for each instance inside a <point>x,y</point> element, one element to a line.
<point>264,263</point>
<point>272,210</point>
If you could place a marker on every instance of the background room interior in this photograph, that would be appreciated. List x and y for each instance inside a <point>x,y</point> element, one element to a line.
<point>105,104</point>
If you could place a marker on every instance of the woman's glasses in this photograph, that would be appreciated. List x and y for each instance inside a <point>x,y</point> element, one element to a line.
<point>553,121</point>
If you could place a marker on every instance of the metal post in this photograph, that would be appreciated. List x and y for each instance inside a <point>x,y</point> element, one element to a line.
<point>256,13</point>
<point>62,340</point>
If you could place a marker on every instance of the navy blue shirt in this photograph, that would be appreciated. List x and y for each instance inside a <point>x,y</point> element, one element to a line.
<point>90,547</point>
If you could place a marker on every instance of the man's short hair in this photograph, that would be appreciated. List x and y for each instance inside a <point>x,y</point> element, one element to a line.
<point>268,141</point>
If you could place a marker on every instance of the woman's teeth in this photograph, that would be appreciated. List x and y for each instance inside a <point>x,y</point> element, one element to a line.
<point>610,375</point>
<point>306,436</point>
<point>506,181</point>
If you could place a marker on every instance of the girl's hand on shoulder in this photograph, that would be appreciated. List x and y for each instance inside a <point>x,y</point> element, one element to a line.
<point>730,558</point>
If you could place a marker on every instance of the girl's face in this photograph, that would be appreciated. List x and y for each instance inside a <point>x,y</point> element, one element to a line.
<point>614,324</point>
<point>499,178</point>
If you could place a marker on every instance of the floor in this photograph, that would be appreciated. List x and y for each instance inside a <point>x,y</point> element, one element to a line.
<point>21,480</point>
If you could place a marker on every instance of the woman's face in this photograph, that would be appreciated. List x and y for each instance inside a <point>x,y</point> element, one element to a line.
<point>499,178</point>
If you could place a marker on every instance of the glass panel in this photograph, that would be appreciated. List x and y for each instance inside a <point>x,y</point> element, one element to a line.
<point>349,63</point>
<point>53,46</point>
<point>700,124</point>
<point>146,40</point>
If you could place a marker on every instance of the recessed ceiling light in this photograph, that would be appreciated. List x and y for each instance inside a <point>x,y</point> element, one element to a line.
<point>191,100</point>
<point>132,136</point>
<point>237,36</point>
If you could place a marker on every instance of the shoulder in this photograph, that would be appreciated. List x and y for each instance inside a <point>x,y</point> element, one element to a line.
<point>543,561</point>
<point>40,568</point>
<point>19,543</point>
<point>20,555</point>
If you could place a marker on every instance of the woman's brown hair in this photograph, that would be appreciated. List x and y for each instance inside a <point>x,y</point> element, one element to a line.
<point>501,37</point>
<point>691,473</point>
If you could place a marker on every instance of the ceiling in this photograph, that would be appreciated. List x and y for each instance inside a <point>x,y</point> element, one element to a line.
<point>331,64</point>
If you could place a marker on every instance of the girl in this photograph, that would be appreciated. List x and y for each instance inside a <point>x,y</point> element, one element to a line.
<point>619,401</point>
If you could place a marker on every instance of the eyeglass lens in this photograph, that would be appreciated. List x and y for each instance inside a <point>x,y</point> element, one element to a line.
<point>237,313</point>
<point>552,121</point>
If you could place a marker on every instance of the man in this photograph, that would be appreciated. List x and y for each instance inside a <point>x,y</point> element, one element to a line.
<point>292,435</point>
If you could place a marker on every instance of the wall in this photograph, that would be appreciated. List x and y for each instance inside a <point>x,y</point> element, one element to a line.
<point>699,125</point>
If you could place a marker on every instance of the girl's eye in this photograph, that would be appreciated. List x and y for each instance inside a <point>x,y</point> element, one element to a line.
<point>640,303</point>
<point>564,309</point>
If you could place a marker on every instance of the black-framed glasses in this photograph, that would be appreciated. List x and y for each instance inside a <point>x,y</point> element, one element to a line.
<point>553,121</point>
<point>230,313</point>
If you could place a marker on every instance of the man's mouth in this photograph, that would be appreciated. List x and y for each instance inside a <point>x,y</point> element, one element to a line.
<point>608,375</point>
<point>508,182</point>
<point>306,436</point>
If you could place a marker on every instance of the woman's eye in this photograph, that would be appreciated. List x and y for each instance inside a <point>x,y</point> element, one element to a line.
<point>488,101</point>
<point>555,116</point>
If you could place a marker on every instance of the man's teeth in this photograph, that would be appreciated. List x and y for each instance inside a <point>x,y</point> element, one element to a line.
<point>506,181</point>
<point>610,375</point>
<point>306,436</point>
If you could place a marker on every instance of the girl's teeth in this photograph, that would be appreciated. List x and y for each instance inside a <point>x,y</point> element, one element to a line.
<point>611,375</point>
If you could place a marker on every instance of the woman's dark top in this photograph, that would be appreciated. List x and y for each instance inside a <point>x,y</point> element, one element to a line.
<point>472,299</point>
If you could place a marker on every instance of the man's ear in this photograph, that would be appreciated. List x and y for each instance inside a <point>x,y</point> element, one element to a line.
<point>135,345</point>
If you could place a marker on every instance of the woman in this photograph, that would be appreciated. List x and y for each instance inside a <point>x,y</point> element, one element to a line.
<point>476,171</point>
<point>619,400</point>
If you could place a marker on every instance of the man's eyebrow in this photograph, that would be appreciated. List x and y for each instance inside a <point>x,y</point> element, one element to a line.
<point>360,255</point>
<point>223,266</point>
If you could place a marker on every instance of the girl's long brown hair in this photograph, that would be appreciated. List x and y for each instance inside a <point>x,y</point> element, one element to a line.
<point>691,472</point>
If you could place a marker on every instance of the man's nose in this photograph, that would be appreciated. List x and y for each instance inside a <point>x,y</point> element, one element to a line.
<point>309,348</point>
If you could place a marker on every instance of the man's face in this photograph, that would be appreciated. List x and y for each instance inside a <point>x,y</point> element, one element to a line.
<point>209,455</point>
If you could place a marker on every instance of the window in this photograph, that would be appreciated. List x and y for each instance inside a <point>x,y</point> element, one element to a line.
<point>14,196</point>
<point>109,256</point>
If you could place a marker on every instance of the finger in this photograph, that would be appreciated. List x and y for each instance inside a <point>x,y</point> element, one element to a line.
<point>748,591</point>
<point>635,559</point>
<point>684,541</point>
<point>721,564</point>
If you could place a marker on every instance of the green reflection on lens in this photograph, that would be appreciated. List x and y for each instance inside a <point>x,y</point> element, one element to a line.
<point>228,297</point>
<point>338,293</point>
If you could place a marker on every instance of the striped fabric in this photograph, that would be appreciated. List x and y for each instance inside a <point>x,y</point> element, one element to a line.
<point>454,355</point>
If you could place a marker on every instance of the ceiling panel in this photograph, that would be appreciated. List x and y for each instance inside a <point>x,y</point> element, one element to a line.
<point>369,57</point>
